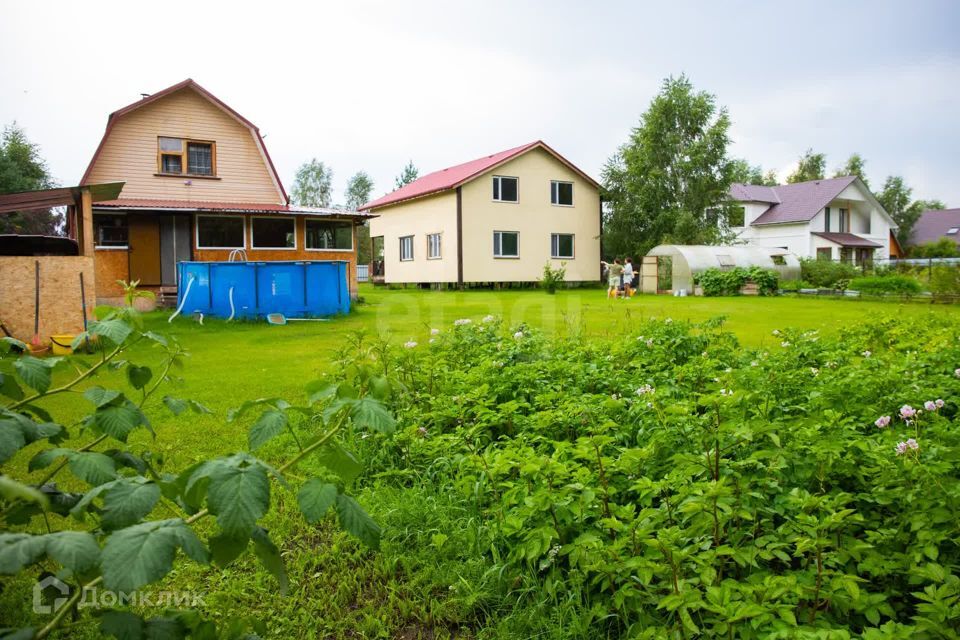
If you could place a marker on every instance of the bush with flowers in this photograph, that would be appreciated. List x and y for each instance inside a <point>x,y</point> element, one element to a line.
<point>675,484</point>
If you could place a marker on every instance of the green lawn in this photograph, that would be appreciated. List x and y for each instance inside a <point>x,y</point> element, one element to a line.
<point>338,589</point>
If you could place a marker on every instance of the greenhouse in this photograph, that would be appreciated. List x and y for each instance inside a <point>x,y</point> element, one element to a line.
<point>672,267</point>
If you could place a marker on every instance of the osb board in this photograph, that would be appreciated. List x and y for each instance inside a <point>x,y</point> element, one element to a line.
<point>60,307</point>
<point>112,265</point>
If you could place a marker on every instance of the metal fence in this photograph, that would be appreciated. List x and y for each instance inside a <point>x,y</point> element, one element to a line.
<point>363,273</point>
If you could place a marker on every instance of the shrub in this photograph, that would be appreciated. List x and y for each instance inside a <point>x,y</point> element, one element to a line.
<point>945,280</point>
<point>880,285</point>
<point>942,248</point>
<point>826,273</point>
<point>553,278</point>
<point>719,282</point>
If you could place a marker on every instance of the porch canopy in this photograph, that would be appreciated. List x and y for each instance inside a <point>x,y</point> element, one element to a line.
<point>686,261</point>
<point>848,240</point>
<point>79,201</point>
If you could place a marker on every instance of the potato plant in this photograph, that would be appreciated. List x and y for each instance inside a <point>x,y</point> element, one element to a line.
<point>669,483</point>
<point>131,519</point>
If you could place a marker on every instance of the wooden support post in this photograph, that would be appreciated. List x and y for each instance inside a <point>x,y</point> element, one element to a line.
<point>85,226</point>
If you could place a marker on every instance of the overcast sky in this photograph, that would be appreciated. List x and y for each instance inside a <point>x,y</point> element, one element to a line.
<point>370,85</point>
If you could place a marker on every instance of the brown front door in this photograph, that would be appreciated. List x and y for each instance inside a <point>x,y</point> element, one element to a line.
<point>144,249</point>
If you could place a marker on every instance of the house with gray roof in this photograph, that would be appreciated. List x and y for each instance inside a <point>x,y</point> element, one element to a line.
<point>933,225</point>
<point>829,219</point>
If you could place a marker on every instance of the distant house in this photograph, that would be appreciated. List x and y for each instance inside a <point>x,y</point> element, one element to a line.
<point>936,224</point>
<point>830,219</point>
<point>499,218</point>
<point>199,186</point>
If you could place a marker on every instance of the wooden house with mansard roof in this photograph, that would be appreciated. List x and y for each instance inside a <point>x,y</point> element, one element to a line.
<point>199,185</point>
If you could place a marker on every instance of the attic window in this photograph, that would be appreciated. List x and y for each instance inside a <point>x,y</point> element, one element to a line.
<point>178,156</point>
<point>505,189</point>
<point>952,231</point>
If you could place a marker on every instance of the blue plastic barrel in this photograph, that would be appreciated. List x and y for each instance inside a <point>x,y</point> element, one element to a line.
<point>295,289</point>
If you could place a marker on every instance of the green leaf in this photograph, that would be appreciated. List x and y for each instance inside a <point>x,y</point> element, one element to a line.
<point>320,390</point>
<point>356,522</point>
<point>76,550</point>
<point>380,388</point>
<point>36,373</point>
<point>367,412</point>
<point>91,467</point>
<point>100,396</point>
<point>315,499</point>
<point>11,439</point>
<point>138,376</point>
<point>115,330</point>
<point>144,553</point>
<point>225,549</point>
<point>12,344</point>
<point>9,387</point>
<point>122,625</point>
<point>11,490</point>
<point>128,501</point>
<point>343,463</point>
<point>238,494</point>
<point>118,420</point>
<point>178,406</point>
<point>270,424</point>
<point>270,557</point>
<point>18,550</point>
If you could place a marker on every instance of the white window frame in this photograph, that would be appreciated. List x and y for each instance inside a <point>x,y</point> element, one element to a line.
<point>554,255</point>
<point>412,254</point>
<point>293,219</point>
<point>952,231</point>
<point>306,248</point>
<point>439,237</point>
<point>555,188</point>
<point>501,256</point>
<point>499,181</point>
<point>111,247</point>
<point>196,230</point>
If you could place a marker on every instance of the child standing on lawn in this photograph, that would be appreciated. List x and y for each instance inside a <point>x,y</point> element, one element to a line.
<point>615,279</point>
<point>628,278</point>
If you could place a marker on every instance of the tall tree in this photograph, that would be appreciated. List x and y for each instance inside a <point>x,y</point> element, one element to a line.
<point>895,198</point>
<point>811,167</point>
<point>359,187</point>
<point>312,184</point>
<point>23,169</point>
<point>662,184</point>
<point>855,166</point>
<point>408,175</point>
<point>745,173</point>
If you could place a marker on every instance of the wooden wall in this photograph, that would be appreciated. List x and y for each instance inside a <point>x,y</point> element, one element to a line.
<point>130,153</point>
<point>60,307</point>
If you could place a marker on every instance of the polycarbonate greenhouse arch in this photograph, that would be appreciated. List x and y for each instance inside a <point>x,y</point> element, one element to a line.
<point>688,260</point>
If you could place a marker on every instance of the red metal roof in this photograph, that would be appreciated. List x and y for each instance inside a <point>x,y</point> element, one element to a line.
<point>454,176</point>
<point>140,204</point>
<point>191,84</point>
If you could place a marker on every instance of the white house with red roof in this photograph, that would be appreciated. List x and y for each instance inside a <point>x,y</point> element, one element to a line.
<point>199,185</point>
<point>496,219</point>
<point>830,219</point>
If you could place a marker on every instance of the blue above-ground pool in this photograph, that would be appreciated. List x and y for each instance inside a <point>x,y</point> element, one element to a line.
<point>251,289</point>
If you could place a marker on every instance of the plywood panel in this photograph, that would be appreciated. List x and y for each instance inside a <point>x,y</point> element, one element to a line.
<point>60,308</point>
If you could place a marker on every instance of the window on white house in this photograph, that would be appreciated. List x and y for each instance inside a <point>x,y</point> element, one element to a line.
<point>844,221</point>
<point>406,248</point>
<point>736,216</point>
<point>273,233</point>
<point>506,244</point>
<point>561,193</point>
<point>561,245</point>
<point>505,189</point>
<point>220,232</point>
<point>329,235</point>
<point>826,219</point>
<point>110,230</point>
<point>433,246</point>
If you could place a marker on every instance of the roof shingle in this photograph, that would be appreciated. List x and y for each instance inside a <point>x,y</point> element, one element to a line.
<point>933,225</point>
<point>798,202</point>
